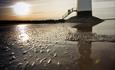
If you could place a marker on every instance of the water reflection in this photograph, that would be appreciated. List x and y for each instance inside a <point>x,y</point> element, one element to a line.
<point>22,29</point>
<point>85,61</point>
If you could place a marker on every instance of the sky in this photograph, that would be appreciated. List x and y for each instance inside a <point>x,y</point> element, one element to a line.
<point>54,9</point>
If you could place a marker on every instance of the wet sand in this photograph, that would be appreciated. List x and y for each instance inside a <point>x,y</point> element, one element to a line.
<point>45,47</point>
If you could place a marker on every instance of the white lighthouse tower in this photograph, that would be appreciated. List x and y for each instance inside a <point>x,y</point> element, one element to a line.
<point>84,8</point>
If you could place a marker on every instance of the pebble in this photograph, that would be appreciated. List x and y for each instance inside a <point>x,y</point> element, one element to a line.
<point>19,64</point>
<point>37,59</point>
<point>33,64</point>
<point>12,53</point>
<point>36,51</point>
<point>41,51</point>
<point>55,54</point>
<point>12,58</point>
<point>48,50</point>
<point>27,62</point>
<point>25,52</point>
<point>25,59</point>
<point>49,61</point>
<point>58,63</point>
<point>42,60</point>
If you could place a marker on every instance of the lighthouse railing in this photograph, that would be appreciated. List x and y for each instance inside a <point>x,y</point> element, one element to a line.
<point>68,13</point>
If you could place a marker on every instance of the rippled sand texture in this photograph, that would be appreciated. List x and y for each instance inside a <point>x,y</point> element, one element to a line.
<point>51,47</point>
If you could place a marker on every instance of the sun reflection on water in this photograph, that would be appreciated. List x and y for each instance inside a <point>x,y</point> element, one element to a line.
<point>22,29</point>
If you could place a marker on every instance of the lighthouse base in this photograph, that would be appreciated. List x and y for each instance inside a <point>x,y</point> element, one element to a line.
<point>84,13</point>
<point>83,22</point>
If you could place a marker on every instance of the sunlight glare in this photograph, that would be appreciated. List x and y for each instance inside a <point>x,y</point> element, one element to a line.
<point>23,36</point>
<point>21,8</point>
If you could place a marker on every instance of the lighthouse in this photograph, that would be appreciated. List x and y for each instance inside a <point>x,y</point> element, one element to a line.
<point>84,8</point>
<point>84,19</point>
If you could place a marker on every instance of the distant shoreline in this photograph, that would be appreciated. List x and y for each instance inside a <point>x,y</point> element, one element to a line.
<point>5,22</point>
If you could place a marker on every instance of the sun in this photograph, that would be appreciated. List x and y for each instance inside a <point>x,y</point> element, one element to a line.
<point>21,8</point>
